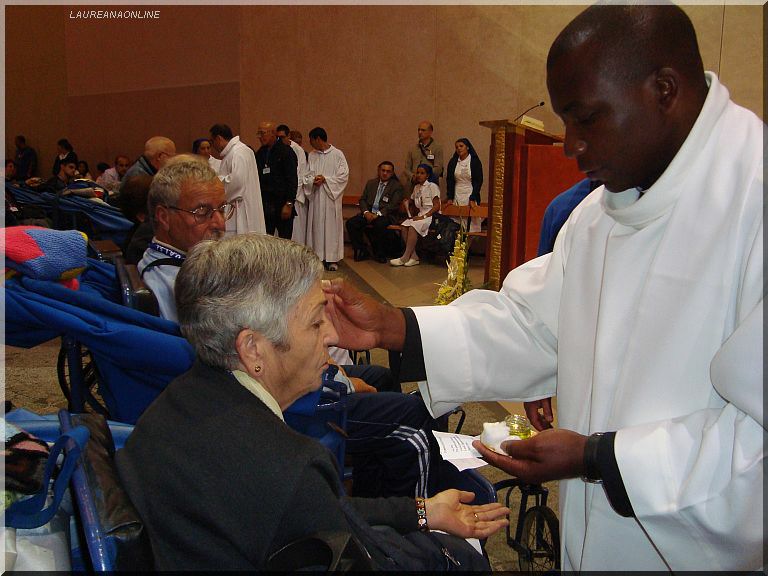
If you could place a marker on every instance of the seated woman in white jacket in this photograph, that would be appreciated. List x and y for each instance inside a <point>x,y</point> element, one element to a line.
<point>424,202</point>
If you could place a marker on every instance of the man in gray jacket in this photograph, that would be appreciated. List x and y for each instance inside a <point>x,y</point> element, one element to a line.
<point>379,207</point>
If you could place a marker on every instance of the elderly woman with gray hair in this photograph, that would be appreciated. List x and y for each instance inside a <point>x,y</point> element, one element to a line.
<point>220,481</point>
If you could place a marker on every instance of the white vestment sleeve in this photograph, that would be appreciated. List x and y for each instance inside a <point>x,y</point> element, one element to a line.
<point>494,345</point>
<point>695,483</point>
<point>235,178</point>
<point>737,369</point>
<point>336,183</point>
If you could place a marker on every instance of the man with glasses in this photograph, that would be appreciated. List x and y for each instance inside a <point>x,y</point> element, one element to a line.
<point>157,151</point>
<point>187,205</point>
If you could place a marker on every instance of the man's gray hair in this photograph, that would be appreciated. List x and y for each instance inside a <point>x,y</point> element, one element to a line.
<point>166,185</point>
<point>245,281</point>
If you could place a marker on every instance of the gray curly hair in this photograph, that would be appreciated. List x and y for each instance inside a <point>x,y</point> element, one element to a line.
<point>244,281</point>
<point>166,185</point>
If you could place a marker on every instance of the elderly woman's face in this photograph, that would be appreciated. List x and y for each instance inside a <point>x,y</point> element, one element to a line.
<point>310,333</point>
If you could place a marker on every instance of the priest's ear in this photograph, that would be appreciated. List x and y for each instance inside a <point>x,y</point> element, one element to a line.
<point>667,84</point>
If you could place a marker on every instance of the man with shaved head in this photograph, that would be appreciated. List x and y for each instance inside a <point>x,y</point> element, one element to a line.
<point>157,151</point>
<point>645,320</point>
<point>426,151</point>
<point>278,179</point>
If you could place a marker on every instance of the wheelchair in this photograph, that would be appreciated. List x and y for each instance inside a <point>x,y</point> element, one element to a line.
<point>536,537</point>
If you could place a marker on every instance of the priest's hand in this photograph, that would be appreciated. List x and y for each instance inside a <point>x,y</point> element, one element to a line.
<point>450,512</point>
<point>360,321</point>
<point>539,412</point>
<point>550,455</point>
<point>319,180</point>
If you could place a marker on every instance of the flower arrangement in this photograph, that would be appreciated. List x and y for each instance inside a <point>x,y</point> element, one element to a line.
<point>457,282</point>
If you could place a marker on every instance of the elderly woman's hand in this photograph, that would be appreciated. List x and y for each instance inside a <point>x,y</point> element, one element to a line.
<point>450,512</point>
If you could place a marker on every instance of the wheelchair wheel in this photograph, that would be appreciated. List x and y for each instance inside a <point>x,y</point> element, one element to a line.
<point>540,541</point>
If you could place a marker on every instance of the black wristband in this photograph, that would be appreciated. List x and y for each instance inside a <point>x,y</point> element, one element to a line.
<point>412,367</point>
<point>613,484</point>
<point>591,469</point>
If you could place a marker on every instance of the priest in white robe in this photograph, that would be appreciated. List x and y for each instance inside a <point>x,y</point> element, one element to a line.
<point>327,177</point>
<point>240,175</point>
<point>645,320</point>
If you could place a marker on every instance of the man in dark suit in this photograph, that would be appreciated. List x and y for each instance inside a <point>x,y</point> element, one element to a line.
<point>278,179</point>
<point>379,207</point>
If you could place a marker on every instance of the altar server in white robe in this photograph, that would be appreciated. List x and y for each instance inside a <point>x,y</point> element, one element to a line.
<point>645,320</point>
<point>327,177</point>
<point>240,175</point>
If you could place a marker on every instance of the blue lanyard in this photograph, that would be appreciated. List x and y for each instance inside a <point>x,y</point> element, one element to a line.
<point>167,251</point>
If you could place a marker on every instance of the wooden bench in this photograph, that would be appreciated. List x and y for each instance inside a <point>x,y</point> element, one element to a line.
<point>480,211</point>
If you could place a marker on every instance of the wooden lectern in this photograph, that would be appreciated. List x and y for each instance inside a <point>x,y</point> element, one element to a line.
<point>528,169</point>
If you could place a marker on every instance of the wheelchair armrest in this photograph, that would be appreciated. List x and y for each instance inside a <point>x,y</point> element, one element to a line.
<point>104,250</point>
<point>115,535</point>
<point>135,293</point>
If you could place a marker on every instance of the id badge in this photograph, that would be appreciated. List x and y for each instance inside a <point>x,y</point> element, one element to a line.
<point>384,199</point>
<point>430,156</point>
<point>266,170</point>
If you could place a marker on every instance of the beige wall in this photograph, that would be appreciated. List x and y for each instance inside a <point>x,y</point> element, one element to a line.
<point>367,74</point>
<point>36,79</point>
<point>108,85</point>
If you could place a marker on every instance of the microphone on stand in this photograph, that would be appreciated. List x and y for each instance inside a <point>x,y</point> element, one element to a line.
<point>528,110</point>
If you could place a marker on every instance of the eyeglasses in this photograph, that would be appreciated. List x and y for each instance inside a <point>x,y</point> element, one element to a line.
<point>205,213</point>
